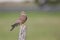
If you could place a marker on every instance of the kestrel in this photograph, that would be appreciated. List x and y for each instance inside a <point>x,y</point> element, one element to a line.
<point>21,20</point>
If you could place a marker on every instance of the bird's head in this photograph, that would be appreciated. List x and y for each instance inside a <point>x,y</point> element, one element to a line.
<point>23,13</point>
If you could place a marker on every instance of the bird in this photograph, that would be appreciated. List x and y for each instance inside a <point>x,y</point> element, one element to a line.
<point>21,20</point>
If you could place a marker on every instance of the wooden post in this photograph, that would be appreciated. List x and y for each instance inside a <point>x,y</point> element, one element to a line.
<point>22,32</point>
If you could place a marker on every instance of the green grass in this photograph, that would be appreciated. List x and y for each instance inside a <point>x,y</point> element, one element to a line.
<point>40,26</point>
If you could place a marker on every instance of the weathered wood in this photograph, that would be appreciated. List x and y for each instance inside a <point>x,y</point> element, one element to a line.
<point>22,32</point>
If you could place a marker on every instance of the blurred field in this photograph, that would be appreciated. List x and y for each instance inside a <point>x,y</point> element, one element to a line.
<point>40,26</point>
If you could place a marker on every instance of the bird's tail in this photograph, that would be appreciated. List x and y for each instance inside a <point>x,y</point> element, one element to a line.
<point>13,26</point>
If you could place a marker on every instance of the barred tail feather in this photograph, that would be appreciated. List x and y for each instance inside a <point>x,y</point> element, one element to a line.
<point>14,25</point>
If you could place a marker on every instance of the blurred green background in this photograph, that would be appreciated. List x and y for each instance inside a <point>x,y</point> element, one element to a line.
<point>40,25</point>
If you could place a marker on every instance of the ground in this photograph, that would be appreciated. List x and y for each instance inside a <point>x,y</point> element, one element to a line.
<point>40,26</point>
